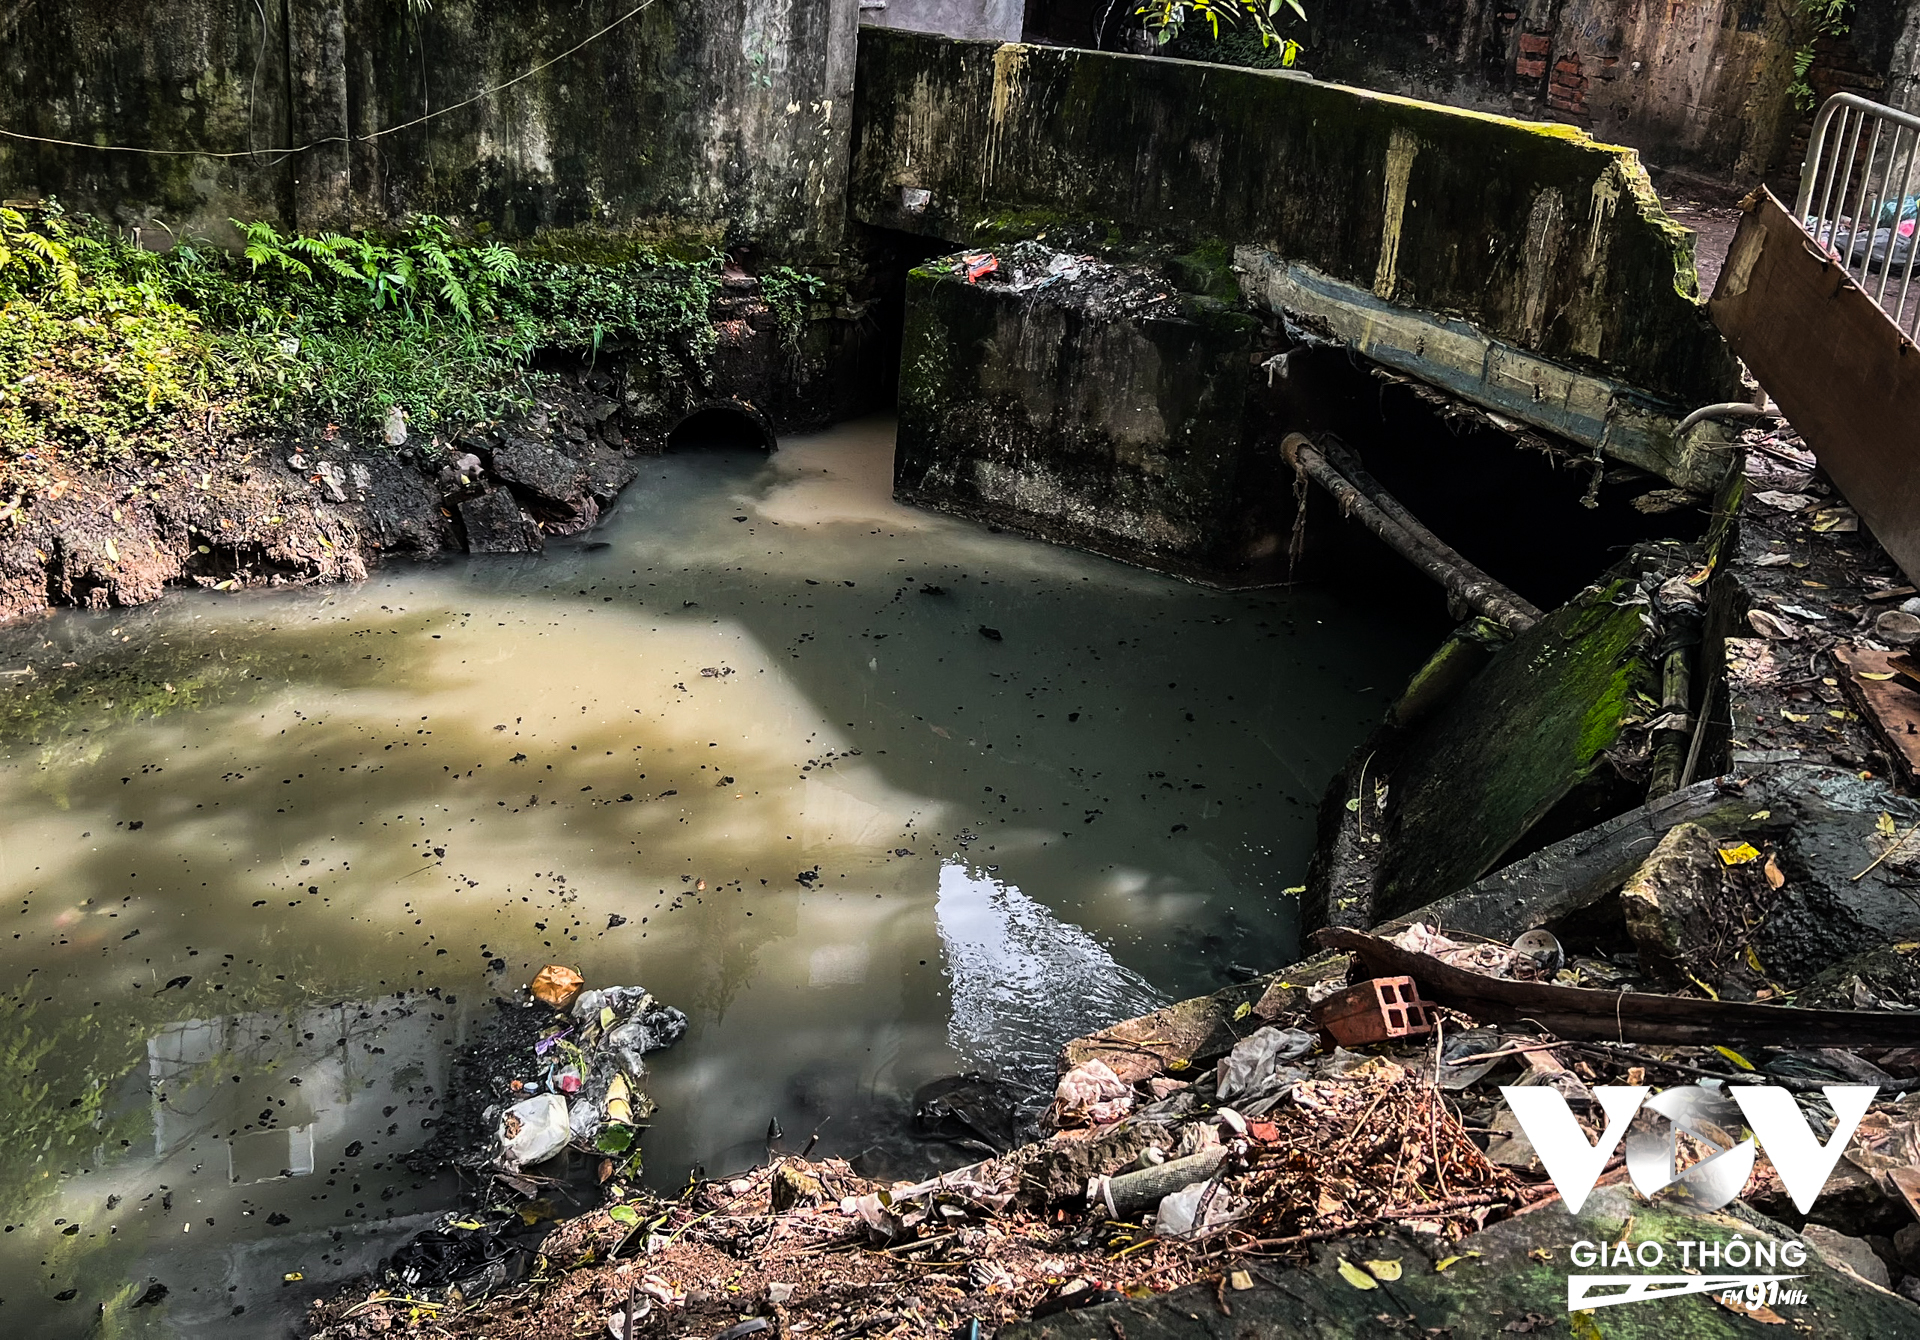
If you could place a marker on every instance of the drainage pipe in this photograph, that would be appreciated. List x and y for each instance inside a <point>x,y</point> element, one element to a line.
<point>1738,409</point>
<point>1382,514</point>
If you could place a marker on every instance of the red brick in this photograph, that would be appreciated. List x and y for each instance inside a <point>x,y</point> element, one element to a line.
<point>1535,44</point>
<point>1567,65</point>
<point>1528,68</point>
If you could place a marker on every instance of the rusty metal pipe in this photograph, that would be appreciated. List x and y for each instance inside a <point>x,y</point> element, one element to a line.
<point>1413,542</point>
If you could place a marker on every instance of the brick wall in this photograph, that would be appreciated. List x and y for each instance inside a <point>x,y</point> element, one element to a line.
<point>1568,91</point>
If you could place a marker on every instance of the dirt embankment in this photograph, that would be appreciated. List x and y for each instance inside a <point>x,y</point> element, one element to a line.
<point>317,504</point>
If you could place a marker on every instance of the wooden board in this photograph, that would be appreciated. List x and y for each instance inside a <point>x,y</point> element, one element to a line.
<point>1892,707</point>
<point>1847,378</point>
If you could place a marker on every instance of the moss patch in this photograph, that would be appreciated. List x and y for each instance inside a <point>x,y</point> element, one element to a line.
<point>1519,738</point>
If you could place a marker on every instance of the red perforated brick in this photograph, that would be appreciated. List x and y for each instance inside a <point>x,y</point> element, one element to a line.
<point>1375,1011</point>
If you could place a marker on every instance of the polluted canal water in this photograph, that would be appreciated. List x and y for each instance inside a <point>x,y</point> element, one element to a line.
<point>874,795</point>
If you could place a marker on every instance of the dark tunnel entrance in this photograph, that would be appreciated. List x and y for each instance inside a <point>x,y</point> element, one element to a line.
<point>718,428</point>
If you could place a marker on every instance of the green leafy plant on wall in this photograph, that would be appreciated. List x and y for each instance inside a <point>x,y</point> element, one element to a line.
<point>1823,18</point>
<point>1168,19</point>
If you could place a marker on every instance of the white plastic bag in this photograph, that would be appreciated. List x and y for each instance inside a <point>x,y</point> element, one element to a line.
<point>533,1131</point>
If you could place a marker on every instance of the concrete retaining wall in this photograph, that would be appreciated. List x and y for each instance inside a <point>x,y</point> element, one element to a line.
<point>714,122</point>
<point>1525,266</point>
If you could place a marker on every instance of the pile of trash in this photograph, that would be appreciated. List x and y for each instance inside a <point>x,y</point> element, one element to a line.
<point>1087,283</point>
<point>582,1086</point>
<point>1348,1121</point>
<point>546,1111</point>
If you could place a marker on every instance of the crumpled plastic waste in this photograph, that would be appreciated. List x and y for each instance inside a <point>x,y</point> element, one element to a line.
<point>1091,1093</point>
<point>533,1131</point>
<point>556,985</point>
<point>1252,1069</point>
<point>480,1255</point>
<point>1191,1210</point>
<point>631,1021</point>
<point>1531,961</point>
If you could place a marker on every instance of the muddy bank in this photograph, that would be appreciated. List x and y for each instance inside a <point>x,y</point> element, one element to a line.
<point>319,504</point>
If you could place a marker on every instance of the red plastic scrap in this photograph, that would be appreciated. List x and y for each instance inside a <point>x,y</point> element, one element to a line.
<point>1375,1011</point>
<point>979,265</point>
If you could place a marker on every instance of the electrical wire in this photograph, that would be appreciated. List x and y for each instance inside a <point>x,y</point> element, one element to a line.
<point>331,139</point>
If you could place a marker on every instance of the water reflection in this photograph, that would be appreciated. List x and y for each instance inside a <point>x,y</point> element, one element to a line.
<point>1021,980</point>
<point>245,1148</point>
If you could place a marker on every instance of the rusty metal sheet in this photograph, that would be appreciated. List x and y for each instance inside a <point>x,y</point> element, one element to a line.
<point>1840,369</point>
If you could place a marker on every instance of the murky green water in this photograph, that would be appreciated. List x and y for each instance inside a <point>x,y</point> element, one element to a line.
<point>749,746</point>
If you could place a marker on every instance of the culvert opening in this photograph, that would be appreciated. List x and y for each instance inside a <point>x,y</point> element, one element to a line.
<point>1535,512</point>
<point>719,429</point>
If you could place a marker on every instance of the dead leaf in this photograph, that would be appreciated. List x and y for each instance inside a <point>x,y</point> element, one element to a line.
<point>1740,854</point>
<point>1775,879</point>
<point>1759,1311</point>
<point>1386,1271</point>
<point>1355,1276</point>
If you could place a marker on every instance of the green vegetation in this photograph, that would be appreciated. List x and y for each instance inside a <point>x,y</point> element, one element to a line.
<point>108,350</point>
<point>1168,19</point>
<point>1822,18</point>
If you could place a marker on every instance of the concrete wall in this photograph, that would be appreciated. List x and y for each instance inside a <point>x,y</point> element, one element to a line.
<point>990,20</point>
<point>1696,85</point>
<point>722,121</point>
<point>1056,411</point>
<point>1700,83</point>
<point>1525,266</point>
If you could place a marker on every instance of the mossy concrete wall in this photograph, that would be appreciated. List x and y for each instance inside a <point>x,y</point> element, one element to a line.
<point>1120,434</point>
<point>1551,282</point>
<point>1704,86</point>
<point>705,122</point>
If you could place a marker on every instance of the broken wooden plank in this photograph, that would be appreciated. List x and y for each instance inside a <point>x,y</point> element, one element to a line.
<point>1573,873</point>
<point>1890,707</point>
<point>1843,372</point>
<point>1576,1013</point>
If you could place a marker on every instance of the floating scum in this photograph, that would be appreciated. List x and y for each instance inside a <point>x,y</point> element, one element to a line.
<point>233,811</point>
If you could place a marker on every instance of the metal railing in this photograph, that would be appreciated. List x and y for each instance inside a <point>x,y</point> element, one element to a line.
<point>1859,198</point>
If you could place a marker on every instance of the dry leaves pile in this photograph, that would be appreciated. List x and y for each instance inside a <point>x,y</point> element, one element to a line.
<point>1347,1155</point>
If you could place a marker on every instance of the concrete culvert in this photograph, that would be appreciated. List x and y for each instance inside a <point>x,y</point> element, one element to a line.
<point>720,428</point>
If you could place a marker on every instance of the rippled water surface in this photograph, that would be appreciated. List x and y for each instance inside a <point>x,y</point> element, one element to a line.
<point>874,795</point>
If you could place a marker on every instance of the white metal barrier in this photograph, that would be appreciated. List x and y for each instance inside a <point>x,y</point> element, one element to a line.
<point>1860,198</point>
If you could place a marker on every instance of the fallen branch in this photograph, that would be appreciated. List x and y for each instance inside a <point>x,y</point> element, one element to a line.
<point>1621,1016</point>
<point>1392,1214</point>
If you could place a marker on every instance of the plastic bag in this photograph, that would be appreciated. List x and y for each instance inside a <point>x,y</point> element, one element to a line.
<point>1249,1067</point>
<point>1092,1093</point>
<point>1179,1210</point>
<point>533,1131</point>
